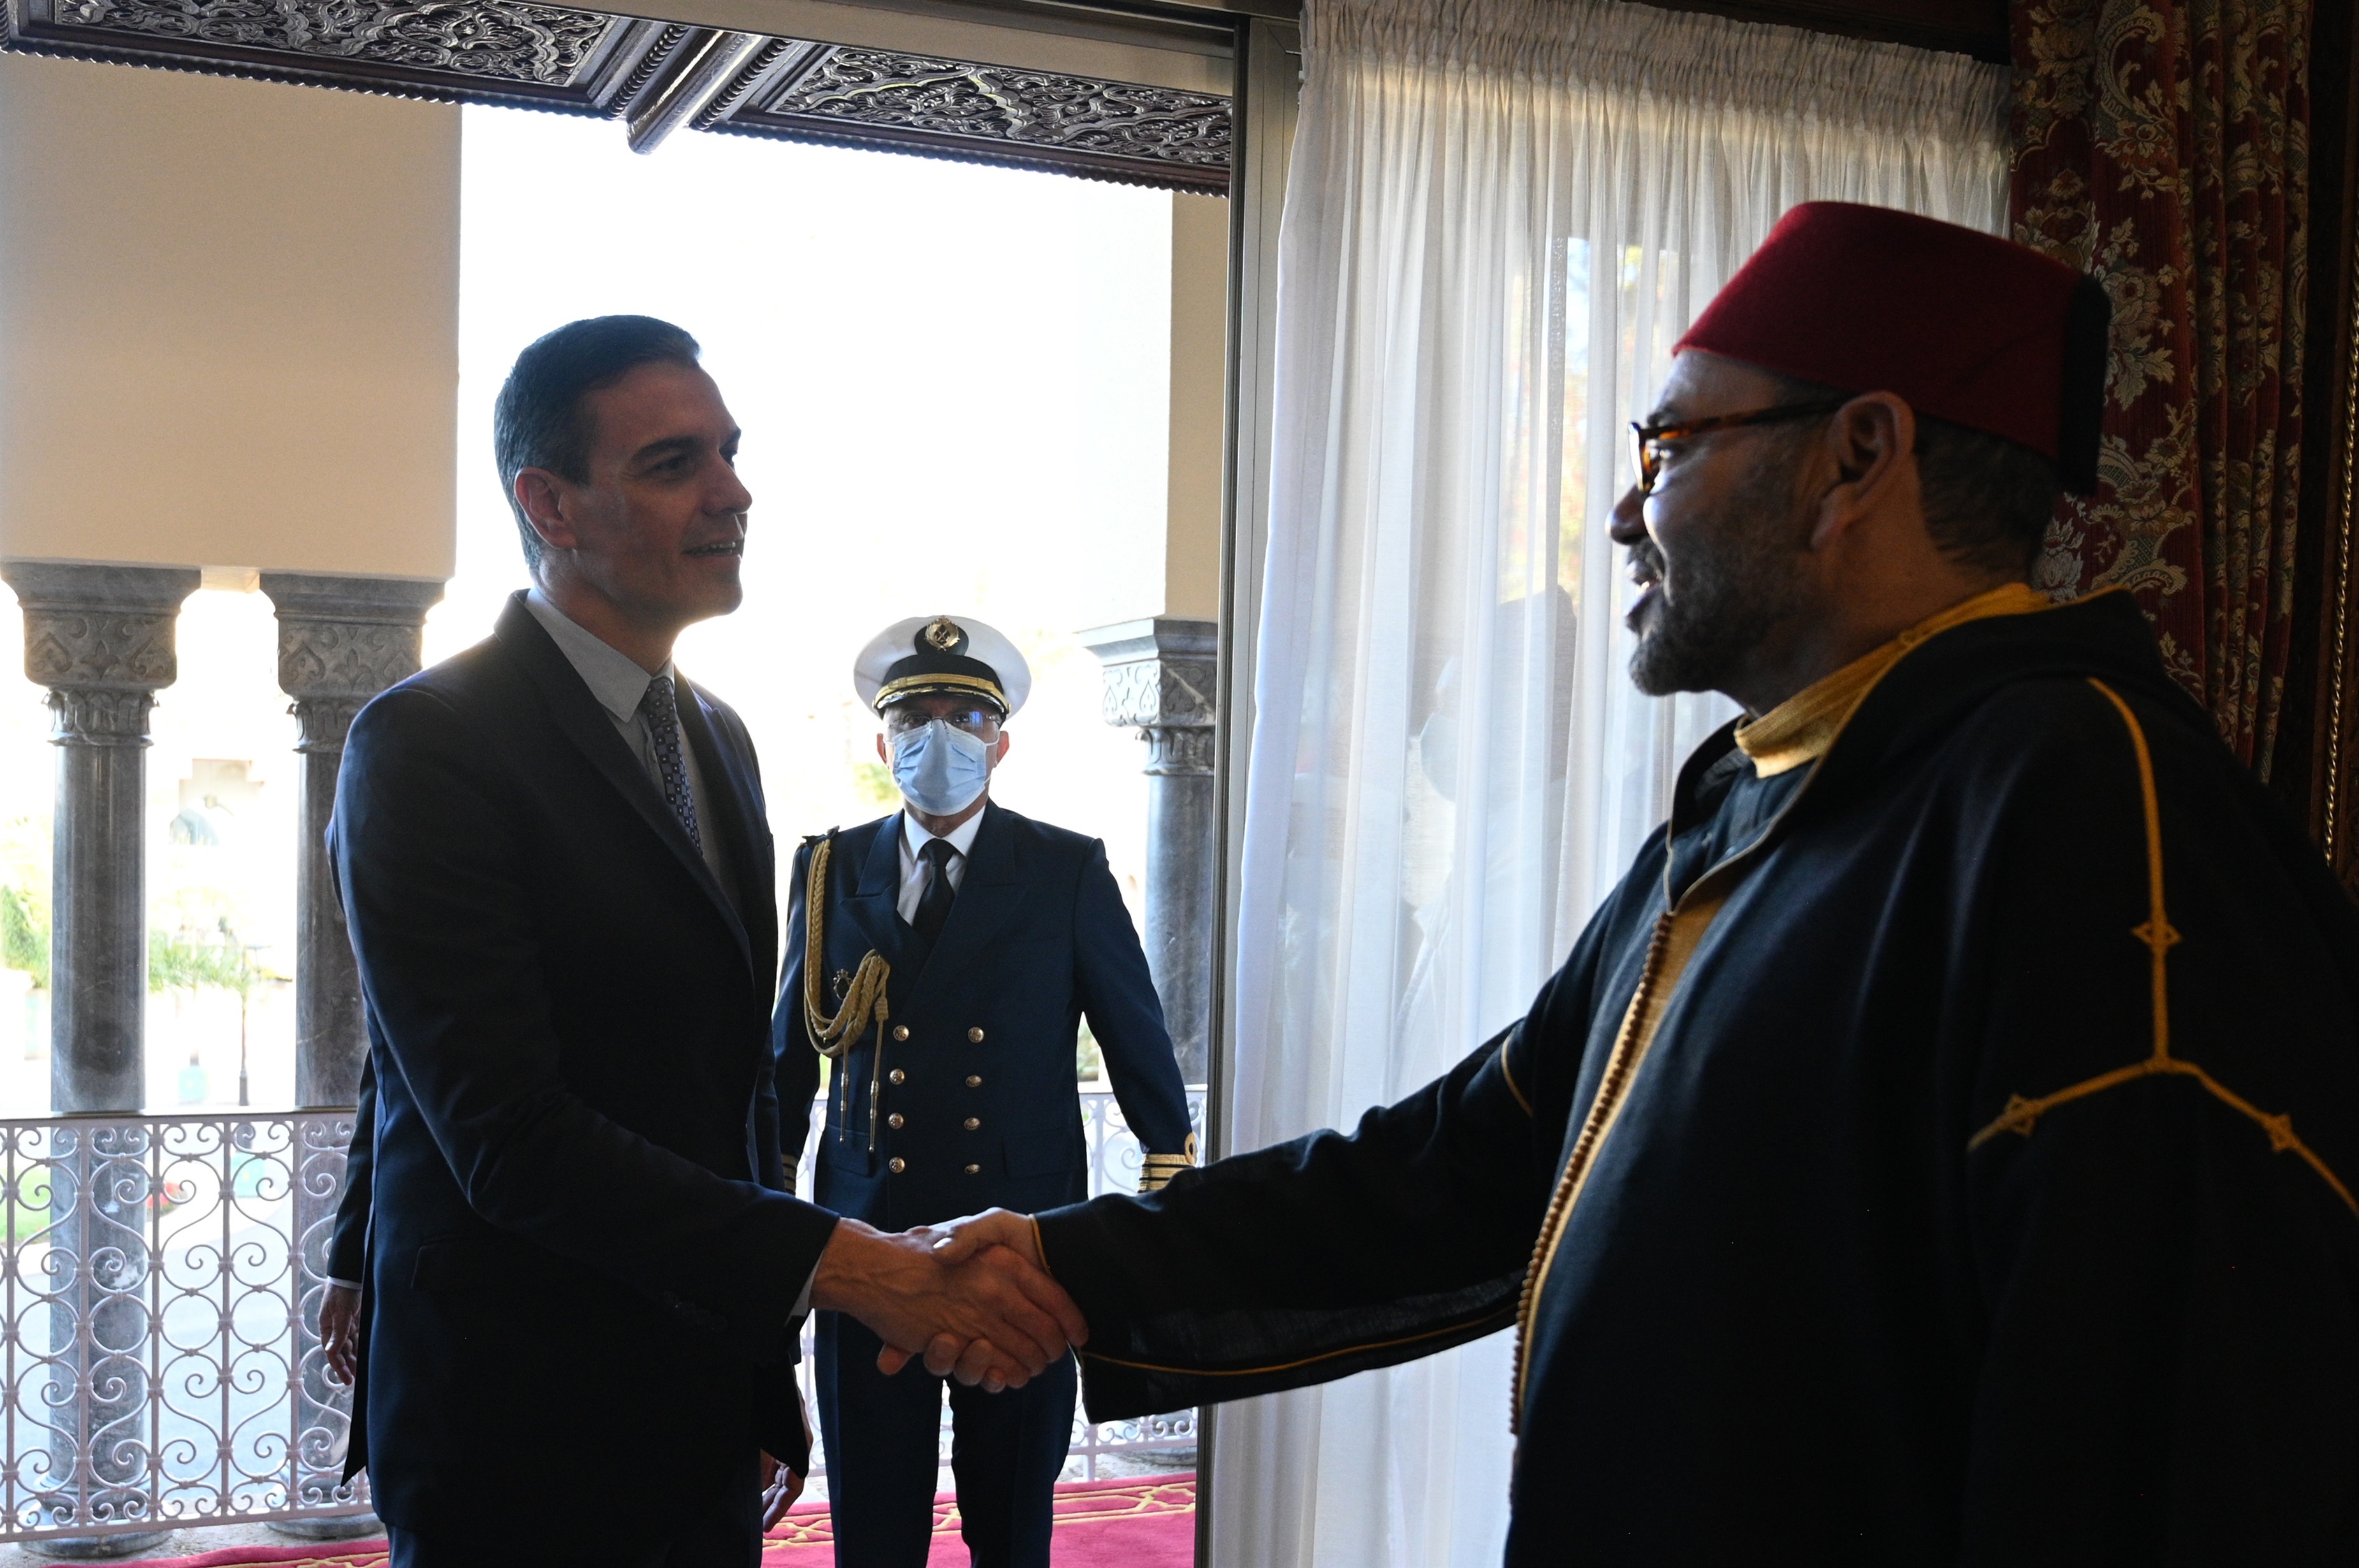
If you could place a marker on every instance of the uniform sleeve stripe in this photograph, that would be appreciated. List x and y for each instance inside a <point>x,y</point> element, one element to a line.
<point>1507,1071</point>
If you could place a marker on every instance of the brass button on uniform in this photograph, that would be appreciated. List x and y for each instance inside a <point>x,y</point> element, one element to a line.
<point>893,1122</point>
<point>974,1169</point>
<point>897,1076</point>
<point>974,1080</point>
<point>972,1122</point>
<point>900,1032</point>
<point>896,1164</point>
<point>974,1036</point>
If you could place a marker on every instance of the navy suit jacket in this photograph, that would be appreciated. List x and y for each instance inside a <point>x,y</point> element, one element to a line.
<point>978,1060</point>
<point>574,1241</point>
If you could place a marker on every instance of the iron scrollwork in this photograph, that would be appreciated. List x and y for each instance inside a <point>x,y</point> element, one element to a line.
<point>160,1363</point>
<point>161,1354</point>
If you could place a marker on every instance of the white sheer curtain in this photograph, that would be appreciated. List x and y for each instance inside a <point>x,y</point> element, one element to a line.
<point>1500,215</point>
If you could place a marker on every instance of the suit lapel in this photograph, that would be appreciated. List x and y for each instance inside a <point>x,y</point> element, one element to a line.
<point>988,897</point>
<point>872,904</point>
<point>585,724</point>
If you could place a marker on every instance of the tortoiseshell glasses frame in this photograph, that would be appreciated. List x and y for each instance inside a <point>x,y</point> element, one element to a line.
<point>1647,439</point>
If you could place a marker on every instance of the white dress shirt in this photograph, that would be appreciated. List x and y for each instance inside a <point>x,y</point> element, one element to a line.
<point>620,686</point>
<point>914,870</point>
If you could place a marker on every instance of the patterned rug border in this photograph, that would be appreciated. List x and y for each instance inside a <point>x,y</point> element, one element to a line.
<point>806,1525</point>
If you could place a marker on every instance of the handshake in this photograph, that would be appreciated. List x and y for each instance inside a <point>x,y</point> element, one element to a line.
<point>973,1298</point>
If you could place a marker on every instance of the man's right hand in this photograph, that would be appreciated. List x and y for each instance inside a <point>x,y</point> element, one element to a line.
<point>962,1243</point>
<point>1008,1318</point>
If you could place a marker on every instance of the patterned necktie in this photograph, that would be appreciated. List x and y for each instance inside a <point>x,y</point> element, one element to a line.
<point>934,903</point>
<point>663,728</point>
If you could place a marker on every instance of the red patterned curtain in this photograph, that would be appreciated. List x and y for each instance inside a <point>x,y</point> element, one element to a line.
<point>2163,145</point>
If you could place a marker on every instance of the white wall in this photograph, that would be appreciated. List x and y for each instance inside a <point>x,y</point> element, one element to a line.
<point>1200,347</point>
<point>228,322</point>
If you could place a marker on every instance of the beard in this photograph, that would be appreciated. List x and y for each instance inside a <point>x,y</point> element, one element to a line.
<point>1737,579</point>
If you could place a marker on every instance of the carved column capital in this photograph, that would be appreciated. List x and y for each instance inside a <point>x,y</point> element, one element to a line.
<point>82,717</point>
<point>1178,750</point>
<point>342,640</point>
<point>1162,678</point>
<point>100,637</point>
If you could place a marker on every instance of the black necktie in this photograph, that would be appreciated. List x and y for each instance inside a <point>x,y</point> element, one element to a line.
<point>934,903</point>
<point>663,729</point>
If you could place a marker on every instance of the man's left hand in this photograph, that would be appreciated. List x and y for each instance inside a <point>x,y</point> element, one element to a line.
<point>780,1488</point>
<point>340,1337</point>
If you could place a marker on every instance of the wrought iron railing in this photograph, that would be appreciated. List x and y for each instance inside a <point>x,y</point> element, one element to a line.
<point>160,1305</point>
<point>160,1312</point>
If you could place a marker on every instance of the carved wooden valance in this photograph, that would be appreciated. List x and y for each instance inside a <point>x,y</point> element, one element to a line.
<point>658,77</point>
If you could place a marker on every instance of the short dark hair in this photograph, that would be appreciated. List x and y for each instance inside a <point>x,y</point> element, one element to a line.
<point>537,421</point>
<point>1987,500</point>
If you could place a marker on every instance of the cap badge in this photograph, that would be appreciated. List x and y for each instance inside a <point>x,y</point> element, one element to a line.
<point>944,633</point>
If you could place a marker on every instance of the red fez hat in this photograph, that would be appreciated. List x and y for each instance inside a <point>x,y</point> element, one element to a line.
<point>1966,326</point>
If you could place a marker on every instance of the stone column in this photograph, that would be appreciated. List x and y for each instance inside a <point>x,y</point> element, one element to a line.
<point>1161,679</point>
<point>100,637</point>
<point>342,640</point>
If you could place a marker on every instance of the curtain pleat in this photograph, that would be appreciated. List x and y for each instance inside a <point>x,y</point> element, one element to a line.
<point>2164,146</point>
<point>1500,214</point>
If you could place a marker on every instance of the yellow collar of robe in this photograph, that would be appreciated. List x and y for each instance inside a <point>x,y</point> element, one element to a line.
<point>1800,728</point>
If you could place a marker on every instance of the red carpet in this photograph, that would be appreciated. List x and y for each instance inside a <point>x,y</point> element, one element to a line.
<point>1124,1523</point>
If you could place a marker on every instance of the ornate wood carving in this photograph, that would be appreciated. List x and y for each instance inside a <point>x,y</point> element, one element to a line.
<point>499,51</point>
<point>921,105</point>
<point>495,38</point>
<point>591,62</point>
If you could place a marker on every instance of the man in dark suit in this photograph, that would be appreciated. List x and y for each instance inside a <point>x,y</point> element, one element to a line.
<point>553,856</point>
<point>942,959</point>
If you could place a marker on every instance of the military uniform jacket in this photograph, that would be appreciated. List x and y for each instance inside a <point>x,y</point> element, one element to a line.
<point>1946,1157</point>
<point>972,1102</point>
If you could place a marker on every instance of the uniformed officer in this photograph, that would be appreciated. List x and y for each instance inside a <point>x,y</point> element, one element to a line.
<point>941,959</point>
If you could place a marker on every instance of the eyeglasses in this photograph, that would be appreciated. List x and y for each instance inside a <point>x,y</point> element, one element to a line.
<point>1647,441</point>
<point>980,723</point>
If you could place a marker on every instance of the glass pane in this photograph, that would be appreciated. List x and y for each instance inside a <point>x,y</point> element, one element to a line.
<point>27,773</point>
<point>223,790</point>
<point>953,383</point>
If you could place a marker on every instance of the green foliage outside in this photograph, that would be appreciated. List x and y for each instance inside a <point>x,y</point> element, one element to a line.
<point>876,784</point>
<point>179,961</point>
<point>25,933</point>
<point>1088,1063</point>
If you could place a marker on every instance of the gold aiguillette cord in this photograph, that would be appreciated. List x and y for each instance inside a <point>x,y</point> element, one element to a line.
<point>863,1002</point>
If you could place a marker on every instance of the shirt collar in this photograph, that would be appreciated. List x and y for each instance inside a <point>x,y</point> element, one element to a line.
<point>1802,727</point>
<point>613,677</point>
<point>962,838</point>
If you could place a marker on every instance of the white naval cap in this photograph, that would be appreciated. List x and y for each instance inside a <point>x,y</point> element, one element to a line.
<point>950,656</point>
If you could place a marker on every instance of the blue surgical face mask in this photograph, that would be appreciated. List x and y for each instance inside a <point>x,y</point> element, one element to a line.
<point>941,769</point>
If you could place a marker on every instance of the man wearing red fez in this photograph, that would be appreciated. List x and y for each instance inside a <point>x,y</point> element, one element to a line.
<point>1942,1147</point>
